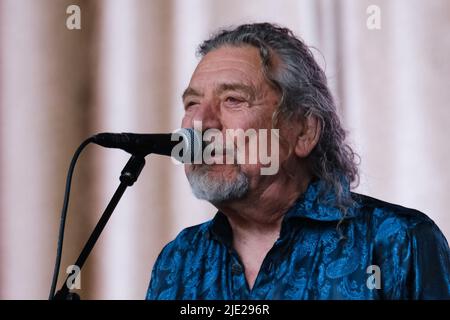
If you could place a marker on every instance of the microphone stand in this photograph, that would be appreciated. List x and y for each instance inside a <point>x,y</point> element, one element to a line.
<point>128,177</point>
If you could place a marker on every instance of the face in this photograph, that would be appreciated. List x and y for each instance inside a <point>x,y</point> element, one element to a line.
<point>228,91</point>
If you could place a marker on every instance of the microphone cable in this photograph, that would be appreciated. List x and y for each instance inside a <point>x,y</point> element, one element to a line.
<point>64,215</point>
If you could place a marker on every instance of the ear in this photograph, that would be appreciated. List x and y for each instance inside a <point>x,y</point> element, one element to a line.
<point>308,136</point>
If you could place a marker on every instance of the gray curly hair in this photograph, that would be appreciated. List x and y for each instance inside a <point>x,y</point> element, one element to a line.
<point>304,92</point>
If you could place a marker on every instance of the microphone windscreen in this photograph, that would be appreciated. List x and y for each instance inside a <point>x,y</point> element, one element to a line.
<point>192,147</point>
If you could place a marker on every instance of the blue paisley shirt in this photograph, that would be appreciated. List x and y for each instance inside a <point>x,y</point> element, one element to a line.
<point>379,251</point>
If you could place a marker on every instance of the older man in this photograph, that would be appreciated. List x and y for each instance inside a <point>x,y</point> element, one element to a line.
<point>299,233</point>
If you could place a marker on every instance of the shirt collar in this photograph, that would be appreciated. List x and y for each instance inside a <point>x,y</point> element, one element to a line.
<point>319,203</point>
<point>219,228</point>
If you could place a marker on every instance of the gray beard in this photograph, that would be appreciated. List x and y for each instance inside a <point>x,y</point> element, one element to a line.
<point>216,190</point>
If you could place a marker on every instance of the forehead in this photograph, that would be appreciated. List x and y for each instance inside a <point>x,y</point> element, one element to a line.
<point>229,64</point>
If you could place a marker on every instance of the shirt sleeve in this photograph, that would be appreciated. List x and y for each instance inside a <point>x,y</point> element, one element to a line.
<point>430,263</point>
<point>161,283</point>
<point>152,291</point>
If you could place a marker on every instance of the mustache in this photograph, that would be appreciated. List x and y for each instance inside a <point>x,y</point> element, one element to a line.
<point>217,156</point>
<point>218,149</point>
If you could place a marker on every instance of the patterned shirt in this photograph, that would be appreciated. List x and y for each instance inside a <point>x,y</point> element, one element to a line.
<point>379,251</point>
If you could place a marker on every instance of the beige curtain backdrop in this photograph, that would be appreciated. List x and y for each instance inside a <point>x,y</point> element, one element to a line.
<point>125,71</point>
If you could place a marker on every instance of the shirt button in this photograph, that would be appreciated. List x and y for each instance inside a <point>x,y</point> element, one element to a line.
<point>236,269</point>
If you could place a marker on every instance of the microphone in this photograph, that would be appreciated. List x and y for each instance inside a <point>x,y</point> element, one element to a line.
<point>187,150</point>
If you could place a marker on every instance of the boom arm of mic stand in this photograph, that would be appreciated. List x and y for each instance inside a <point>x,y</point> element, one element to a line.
<point>128,177</point>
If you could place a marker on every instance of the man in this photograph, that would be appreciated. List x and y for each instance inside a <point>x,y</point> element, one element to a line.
<point>299,233</point>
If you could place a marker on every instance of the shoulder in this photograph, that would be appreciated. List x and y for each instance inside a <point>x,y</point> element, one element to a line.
<point>389,219</point>
<point>410,249</point>
<point>187,240</point>
<point>176,263</point>
<point>402,232</point>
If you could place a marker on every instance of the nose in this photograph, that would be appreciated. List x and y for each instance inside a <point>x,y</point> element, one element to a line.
<point>208,115</point>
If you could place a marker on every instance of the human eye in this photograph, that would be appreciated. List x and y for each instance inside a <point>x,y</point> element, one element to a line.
<point>234,101</point>
<point>189,104</point>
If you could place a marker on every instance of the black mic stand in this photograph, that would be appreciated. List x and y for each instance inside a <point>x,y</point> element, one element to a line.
<point>128,177</point>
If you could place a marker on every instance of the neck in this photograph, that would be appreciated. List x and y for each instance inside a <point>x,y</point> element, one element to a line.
<point>256,220</point>
<point>261,212</point>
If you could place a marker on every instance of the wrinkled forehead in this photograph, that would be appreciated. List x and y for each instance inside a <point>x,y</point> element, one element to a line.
<point>229,64</point>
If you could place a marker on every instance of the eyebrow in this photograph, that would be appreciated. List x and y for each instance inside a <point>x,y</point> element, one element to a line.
<point>237,87</point>
<point>190,92</point>
<point>221,88</point>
